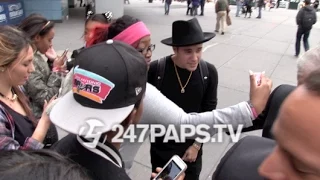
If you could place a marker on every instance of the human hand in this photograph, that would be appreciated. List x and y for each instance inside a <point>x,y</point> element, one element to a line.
<point>158,170</point>
<point>259,93</point>
<point>60,61</point>
<point>46,105</point>
<point>63,68</point>
<point>191,154</point>
<point>51,53</point>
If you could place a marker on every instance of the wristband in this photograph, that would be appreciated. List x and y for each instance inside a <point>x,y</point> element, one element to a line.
<point>253,110</point>
<point>56,69</point>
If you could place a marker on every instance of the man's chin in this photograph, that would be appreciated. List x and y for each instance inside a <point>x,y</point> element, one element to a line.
<point>191,69</point>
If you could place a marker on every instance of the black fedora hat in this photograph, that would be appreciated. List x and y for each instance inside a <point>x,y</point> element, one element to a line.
<point>187,33</point>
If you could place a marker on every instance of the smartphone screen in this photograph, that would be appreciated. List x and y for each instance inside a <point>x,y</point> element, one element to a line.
<point>170,172</point>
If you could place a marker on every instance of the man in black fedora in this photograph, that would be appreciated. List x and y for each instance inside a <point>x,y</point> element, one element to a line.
<point>189,82</point>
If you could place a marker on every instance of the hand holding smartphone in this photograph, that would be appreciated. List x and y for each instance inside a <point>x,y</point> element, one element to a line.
<point>60,63</point>
<point>257,76</point>
<point>64,55</point>
<point>65,52</point>
<point>172,170</point>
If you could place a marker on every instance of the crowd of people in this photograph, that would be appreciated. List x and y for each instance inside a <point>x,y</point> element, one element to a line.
<point>111,79</point>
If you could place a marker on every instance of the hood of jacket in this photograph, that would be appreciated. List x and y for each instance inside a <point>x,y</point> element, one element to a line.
<point>309,8</point>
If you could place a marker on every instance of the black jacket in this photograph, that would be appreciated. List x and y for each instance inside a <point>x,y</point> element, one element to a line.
<point>260,3</point>
<point>242,160</point>
<point>299,18</point>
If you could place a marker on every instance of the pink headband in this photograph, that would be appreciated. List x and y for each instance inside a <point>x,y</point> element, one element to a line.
<point>133,33</point>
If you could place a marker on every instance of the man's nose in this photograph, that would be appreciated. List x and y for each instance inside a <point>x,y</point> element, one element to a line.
<point>194,56</point>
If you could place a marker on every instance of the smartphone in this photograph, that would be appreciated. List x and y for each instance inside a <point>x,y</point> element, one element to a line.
<point>171,171</point>
<point>258,78</point>
<point>65,52</point>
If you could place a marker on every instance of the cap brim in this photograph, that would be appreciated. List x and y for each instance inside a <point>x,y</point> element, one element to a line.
<point>207,36</point>
<point>71,116</point>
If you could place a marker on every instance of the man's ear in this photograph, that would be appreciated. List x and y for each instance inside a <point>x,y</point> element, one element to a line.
<point>129,119</point>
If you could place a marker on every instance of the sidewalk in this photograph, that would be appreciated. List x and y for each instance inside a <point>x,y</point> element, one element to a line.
<point>265,44</point>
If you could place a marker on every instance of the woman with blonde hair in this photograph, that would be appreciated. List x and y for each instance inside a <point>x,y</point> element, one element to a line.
<point>18,128</point>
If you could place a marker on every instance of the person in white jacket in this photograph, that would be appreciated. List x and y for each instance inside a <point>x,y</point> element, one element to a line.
<point>160,110</point>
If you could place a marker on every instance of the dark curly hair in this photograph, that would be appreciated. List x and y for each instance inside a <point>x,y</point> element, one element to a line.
<point>120,25</point>
<point>115,28</point>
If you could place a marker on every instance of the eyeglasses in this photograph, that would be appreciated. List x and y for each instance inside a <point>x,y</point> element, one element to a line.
<point>149,48</point>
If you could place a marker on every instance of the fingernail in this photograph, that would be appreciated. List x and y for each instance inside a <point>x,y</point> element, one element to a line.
<point>250,72</point>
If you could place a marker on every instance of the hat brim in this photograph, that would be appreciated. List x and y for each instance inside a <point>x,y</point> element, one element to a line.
<point>207,36</point>
<point>71,116</point>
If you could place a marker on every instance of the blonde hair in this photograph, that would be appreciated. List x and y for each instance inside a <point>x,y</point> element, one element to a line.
<point>12,43</point>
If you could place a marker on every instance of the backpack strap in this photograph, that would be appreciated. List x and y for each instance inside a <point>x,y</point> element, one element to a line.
<point>160,71</point>
<point>204,72</point>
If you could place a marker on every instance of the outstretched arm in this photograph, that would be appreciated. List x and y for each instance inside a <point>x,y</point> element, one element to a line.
<point>160,110</point>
